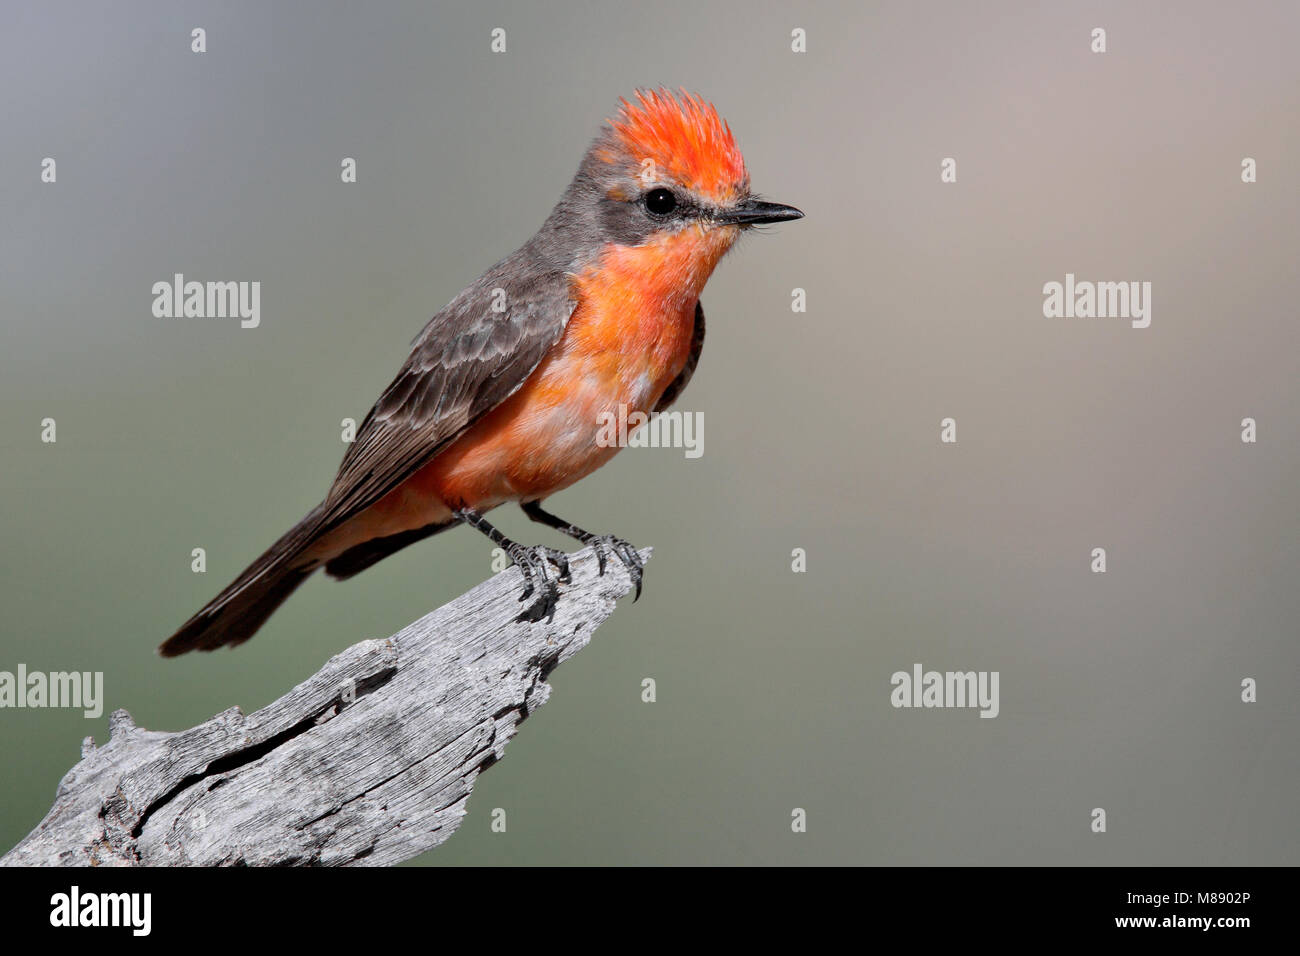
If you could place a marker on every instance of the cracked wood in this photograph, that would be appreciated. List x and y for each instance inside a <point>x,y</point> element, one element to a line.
<point>369,761</point>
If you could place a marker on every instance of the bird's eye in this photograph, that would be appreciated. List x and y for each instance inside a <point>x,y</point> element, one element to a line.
<point>660,201</point>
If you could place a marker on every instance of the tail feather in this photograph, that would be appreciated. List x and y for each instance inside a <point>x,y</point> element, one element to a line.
<point>369,553</point>
<point>234,615</point>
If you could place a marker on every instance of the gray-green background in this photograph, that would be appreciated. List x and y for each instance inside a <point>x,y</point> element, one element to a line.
<point>822,429</point>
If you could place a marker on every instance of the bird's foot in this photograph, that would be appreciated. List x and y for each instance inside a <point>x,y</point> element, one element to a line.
<point>603,544</point>
<point>607,544</point>
<point>535,564</point>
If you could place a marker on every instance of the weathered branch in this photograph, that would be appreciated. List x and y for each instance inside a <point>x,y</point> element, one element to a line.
<point>369,761</point>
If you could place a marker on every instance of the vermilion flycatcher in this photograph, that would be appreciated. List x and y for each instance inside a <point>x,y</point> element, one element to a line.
<point>504,394</point>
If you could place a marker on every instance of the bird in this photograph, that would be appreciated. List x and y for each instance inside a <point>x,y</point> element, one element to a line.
<point>502,397</point>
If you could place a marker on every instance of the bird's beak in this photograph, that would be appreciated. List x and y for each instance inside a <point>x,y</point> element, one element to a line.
<point>753,212</point>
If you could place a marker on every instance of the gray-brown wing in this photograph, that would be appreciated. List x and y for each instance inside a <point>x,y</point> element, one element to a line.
<point>676,386</point>
<point>471,356</point>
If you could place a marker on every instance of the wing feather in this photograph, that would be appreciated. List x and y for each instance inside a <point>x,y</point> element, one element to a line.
<point>677,385</point>
<point>465,362</point>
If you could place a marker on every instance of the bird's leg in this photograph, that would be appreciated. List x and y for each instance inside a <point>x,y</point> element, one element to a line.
<point>602,543</point>
<point>531,561</point>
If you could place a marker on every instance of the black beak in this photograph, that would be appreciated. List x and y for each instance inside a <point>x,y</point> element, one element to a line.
<point>753,212</point>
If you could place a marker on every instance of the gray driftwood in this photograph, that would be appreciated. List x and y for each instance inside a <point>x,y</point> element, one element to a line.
<point>369,761</point>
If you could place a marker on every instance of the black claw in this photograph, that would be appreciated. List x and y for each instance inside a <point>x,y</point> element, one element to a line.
<point>625,552</point>
<point>543,607</point>
<point>533,564</point>
<point>529,586</point>
<point>561,562</point>
<point>634,570</point>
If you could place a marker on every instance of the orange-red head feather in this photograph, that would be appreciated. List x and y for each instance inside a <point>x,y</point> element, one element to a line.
<point>684,138</point>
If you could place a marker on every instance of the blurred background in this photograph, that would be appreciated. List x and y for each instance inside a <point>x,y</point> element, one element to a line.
<point>924,301</point>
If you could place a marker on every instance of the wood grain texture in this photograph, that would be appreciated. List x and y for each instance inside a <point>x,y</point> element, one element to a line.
<point>370,761</point>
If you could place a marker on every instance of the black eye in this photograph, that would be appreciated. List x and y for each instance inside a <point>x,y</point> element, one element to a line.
<point>660,201</point>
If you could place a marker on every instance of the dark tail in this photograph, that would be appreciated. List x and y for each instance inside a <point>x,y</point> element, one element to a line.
<point>361,556</point>
<point>234,615</point>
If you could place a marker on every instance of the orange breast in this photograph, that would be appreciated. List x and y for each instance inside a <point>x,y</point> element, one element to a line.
<point>628,338</point>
